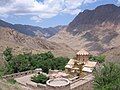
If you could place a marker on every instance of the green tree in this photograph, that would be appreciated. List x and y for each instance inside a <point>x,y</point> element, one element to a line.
<point>21,63</point>
<point>40,78</point>
<point>47,55</point>
<point>24,62</point>
<point>45,67</point>
<point>8,54</point>
<point>107,77</point>
<point>99,59</point>
<point>60,62</point>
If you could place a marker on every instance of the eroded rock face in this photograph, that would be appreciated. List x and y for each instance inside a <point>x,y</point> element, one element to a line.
<point>96,30</point>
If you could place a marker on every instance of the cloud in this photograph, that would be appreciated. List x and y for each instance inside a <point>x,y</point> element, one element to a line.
<point>36,18</point>
<point>4,16</point>
<point>89,1</point>
<point>118,2</point>
<point>41,10</point>
<point>5,2</point>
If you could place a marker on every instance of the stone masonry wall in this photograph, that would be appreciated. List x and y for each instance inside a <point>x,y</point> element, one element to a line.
<point>83,84</point>
<point>20,74</point>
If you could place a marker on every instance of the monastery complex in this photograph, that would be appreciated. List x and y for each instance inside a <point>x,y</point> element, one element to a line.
<point>77,75</point>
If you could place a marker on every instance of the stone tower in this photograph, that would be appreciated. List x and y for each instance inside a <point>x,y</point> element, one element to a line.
<point>82,56</point>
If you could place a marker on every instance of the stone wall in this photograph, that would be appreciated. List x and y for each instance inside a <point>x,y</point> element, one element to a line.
<point>83,84</point>
<point>20,74</point>
<point>38,87</point>
<point>42,87</point>
<point>86,86</point>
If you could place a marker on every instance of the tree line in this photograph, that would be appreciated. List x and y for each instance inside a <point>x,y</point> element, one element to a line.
<point>24,62</point>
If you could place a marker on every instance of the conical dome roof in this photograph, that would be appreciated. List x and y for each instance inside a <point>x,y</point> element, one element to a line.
<point>82,52</point>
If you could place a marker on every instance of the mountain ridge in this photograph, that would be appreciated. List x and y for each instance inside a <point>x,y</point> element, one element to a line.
<point>32,30</point>
<point>100,14</point>
<point>96,30</point>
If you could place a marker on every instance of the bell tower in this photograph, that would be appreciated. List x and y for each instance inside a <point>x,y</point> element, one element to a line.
<point>82,56</point>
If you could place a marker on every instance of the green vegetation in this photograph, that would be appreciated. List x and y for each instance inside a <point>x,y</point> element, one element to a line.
<point>99,59</point>
<point>107,77</point>
<point>8,54</point>
<point>1,72</point>
<point>24,62</point>
<point>12,81</point>
<point>41,78</point>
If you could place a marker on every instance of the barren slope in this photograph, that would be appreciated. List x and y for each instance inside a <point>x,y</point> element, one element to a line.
<point>113,55</point>
<point>96,30</point>
<point>22,43</point>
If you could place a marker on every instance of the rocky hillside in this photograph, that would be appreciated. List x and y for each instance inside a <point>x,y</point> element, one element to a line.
<point>32,30</point>
<point>90,18</point>
<point>96,30</point>
<point>113,55</point>
<point>23,43</point>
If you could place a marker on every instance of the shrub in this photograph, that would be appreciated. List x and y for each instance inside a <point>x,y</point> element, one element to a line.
<point>8,54</point>
<point>12,81</point>
<point>1,72</point>
<point>39,78</point>
<point>107,77</point>
<point>99,59</point>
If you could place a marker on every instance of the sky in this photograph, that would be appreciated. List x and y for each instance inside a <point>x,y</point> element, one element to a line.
<point>46,13</point>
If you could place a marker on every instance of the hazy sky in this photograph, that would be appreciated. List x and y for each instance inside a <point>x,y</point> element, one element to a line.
<point>46,13</point>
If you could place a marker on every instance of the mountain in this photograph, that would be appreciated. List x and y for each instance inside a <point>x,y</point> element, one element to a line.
<point>90,18</point>
<point>113,55</point>
<point>37,31</point>
<point>23,43</point>
<point>32,30</point>
<point>96,30</point>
